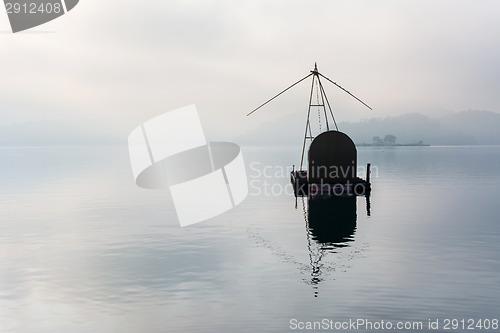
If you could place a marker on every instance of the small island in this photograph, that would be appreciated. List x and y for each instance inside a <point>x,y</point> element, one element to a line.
<point>390,140</point>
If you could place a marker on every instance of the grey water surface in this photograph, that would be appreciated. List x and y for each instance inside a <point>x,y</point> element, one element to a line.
<point>83,249</point>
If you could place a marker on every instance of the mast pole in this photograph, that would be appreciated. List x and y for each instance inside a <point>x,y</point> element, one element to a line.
<point>314,73</point>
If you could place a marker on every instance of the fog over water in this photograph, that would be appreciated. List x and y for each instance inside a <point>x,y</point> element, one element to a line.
<point>82,248</point>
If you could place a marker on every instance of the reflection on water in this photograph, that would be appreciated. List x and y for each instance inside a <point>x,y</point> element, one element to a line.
<point>332,222</point>
<point>82,249</point>
<point>330,225</point>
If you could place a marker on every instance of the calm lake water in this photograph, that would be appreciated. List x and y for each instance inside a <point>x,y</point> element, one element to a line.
<point>83,249</point>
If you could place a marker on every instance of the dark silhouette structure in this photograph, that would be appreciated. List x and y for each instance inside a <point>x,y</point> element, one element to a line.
<point>332,154</point>
<point>332,158</point>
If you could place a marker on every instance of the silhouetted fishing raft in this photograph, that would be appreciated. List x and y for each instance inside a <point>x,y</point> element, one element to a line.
<point>332,155</point>
<point>332,168</point>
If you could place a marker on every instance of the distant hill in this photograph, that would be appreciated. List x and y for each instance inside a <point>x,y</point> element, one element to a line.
<point>461,128</point>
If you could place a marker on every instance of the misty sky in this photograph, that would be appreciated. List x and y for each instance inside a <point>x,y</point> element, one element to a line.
<point>114,64</point>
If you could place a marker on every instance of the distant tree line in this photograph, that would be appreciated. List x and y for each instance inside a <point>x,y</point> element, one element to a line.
<point>388,139</point>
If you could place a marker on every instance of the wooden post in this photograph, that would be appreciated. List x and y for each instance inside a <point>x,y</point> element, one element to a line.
<point>368,172</point>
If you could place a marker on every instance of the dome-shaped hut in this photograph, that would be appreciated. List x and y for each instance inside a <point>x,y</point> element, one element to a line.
<point>332,158</point>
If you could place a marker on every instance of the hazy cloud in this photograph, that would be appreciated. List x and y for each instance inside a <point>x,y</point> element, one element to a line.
<point>116,63</point>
